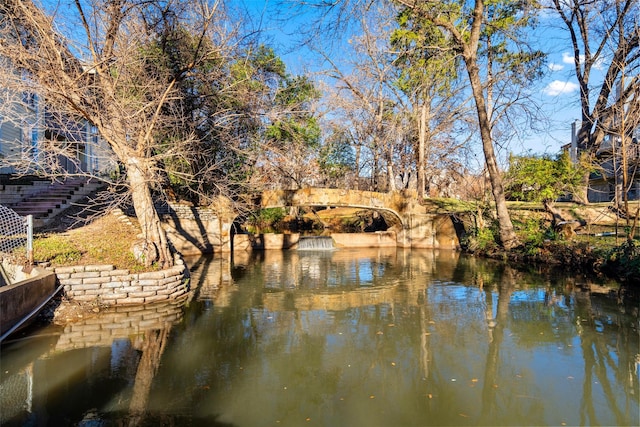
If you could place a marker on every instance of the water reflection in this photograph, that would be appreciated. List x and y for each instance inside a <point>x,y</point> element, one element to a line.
<point>102,362</point>
<point>367,337</point>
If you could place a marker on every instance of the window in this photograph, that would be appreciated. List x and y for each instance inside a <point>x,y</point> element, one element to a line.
<point>30,100</point>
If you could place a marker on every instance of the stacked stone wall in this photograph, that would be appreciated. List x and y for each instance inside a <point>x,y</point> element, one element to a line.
<point>110,286</point>
<point>187,212</point>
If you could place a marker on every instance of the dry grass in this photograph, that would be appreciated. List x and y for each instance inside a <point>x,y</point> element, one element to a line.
<point>104,240</point>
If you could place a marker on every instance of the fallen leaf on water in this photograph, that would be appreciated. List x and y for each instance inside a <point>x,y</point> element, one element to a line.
<point>379,333</point>
<point>391,325</point>
<point>474,380</point>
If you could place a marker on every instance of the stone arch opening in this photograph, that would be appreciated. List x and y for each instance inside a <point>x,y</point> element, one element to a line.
<point>317,219</point>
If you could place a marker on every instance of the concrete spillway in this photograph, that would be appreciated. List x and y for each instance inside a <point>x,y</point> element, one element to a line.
<point>315,243</point>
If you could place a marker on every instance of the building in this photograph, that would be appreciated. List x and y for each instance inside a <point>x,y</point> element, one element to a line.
<point>33,140</point>
<point>19,130</point>
<point>614,156</point>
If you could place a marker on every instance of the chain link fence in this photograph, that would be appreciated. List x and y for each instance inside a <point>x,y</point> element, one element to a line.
<point>16,235</point>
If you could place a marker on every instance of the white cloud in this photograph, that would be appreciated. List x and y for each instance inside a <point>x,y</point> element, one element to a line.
<point>558,87</point>
<point>569,59</point>
<point>599,64</point>
<point>556,67</point>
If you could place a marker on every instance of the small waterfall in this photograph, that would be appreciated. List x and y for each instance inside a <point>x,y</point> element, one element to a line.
<point>315,243</point>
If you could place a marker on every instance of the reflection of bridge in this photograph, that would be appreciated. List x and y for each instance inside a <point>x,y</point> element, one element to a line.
<point>332,280</point>
<point>195,230</point>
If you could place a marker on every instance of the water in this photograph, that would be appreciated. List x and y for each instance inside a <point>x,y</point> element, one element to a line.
<point>340,338</point>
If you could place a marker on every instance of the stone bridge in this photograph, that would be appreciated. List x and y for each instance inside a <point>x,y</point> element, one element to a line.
<point>398,203</point>
<point>197,230</point>
<point>420,227</point>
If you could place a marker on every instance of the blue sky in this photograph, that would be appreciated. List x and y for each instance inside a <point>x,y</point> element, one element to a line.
<point>557,92</point>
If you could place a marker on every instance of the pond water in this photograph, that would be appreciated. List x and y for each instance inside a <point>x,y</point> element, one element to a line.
<point>379,337</point>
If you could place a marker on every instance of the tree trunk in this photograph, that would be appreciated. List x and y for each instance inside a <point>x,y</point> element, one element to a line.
<point>422,143</point>
<point>152,232</point>
<point>555,214</point>
<point>390,170</point>
<point>357,167</point>
<point>508,236</point>
<point>584,146</point>
<point>376,167</point>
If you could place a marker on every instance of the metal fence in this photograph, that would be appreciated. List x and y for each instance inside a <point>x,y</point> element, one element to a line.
<point>16,235</point>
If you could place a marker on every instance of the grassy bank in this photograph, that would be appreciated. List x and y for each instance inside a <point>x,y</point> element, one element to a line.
<point>601,245</point>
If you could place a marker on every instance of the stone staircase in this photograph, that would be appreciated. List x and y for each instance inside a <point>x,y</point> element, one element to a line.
<point>45,199</point>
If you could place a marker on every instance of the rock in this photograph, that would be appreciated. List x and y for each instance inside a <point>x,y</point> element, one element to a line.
<point>144,252</point>
<point>567,229</point>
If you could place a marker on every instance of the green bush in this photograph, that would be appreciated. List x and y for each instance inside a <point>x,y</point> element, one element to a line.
<point>534,233</point>
<point>624,260</point>
<point>267,219</point>
<point>482,240</point>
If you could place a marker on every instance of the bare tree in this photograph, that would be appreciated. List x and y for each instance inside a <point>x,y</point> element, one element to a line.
<point>368,88</point>
<point>605,36</point>
<point>369,102</point>
<point>101,69</point>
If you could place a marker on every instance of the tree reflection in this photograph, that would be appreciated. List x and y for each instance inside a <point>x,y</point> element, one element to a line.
<point>152,346</point>
<point>495,326</point>
<point>607,348</point>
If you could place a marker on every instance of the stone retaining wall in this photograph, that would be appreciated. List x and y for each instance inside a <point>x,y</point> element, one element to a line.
<point>195,230</point>
<point>109,286</point>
